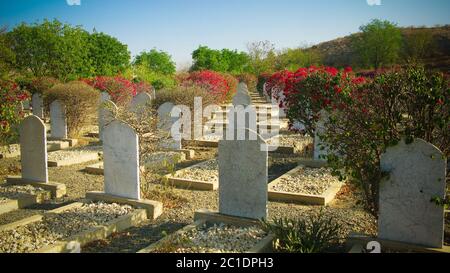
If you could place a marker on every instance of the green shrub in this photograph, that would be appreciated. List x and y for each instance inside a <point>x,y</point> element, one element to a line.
<point>314,234</point>
<point>81,101</point>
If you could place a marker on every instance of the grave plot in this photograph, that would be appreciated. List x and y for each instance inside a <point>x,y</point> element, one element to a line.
<point>292,144</point>
<point>154,161</point>
<point>208,237</point>
<point>17,197</point>
<point>74,156</point>
<point>67,229</point>
<point>305,185</point>
<point>203,176</point>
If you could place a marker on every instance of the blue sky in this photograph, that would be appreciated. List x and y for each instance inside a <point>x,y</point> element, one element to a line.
<point>180,26</point>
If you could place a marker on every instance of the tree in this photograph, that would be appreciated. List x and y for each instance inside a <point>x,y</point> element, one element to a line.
<point>293,59</point>
<point>262,57</point>
<point>379,44</point>
<point>109,56</point>
<point>418,44</point>
<point>225,60</point>
<point>52,49</point>
<point>6,55</point>
<point>157,61</point>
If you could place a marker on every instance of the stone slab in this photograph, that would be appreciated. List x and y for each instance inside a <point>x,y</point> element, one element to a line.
<point>57,190</point>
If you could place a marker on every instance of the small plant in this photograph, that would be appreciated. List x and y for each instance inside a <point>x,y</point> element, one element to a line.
<point>314,234</point>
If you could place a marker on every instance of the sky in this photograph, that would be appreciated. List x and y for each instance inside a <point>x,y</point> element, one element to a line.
<point>180,26</point>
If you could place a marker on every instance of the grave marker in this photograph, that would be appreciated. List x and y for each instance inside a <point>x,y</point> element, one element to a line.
<point>58,120</point>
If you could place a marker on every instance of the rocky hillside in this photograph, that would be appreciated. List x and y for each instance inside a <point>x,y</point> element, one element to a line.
<point>339,52</point>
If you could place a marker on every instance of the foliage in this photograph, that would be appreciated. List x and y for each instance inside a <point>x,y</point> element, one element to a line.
<point>79,99</point>
<point>379,44</point>
<point>293,59</point>
<point>41,85</point>
<point>262,57</point>
<point>314,234</point>
<point>407,104</point>
<point>108,55</point>
<point>262,80</point>
<point>159,81</point>
<point>7,57</point>
<point>158,62</point>
<point>120,89</point>
<point>185,95</point>
<point>219,85</point>
<point>418,44</point>
<point>10,112</point>
<point>225,60</point>
<point>66,52</point>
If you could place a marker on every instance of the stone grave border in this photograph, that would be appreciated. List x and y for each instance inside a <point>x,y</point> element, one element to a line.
<point>96,233</point>
<point>153,209</point>
<point>190,184</point>
<point>301,198</point>
<point>72,141</point>
<point>25,200</point>
<point>57,190</point>
<point>205,217</point>
<point>74,161</point>
<point>355,242</point>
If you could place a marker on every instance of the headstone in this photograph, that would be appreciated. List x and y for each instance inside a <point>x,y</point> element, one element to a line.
<point>121,161</point>
<point>319,146</point>
<point>58,120</point>
<point>26,104</point>
<point>106,114</point>
<point>243,171</point>
<point>416,175</point>
<point>242,97</point>
<point>165,124</point>
<point>38,105</point>
<point>140,102</point>
<point>33,149</point>
<point>240,119</point>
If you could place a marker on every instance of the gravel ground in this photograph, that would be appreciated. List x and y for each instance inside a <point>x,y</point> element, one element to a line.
<point>214,239</point>
<point>306,180</point>
<point>206,171</point>
<point>15,192</point>
<point>73,153</point>
<point>55,227</point>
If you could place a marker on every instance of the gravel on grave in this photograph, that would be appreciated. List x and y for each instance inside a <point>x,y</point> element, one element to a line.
<point>73,153</point>
<point>56,227</point>
<point>15,191</point>
<point>215,239</point>
<point>291,140</point>
<point>205,171</point>
<point>306,180</point>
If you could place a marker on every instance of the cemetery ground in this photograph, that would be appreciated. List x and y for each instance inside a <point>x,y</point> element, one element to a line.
<point>181,204</point>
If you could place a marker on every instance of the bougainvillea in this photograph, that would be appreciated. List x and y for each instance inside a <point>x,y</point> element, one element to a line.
<point>11,112</point>
<point>305,93</point>
<point>216,83</point>
<point>120,89</point>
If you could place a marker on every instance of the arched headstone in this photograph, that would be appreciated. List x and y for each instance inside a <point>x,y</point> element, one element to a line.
<point>416,175</point>
<point>106,114</point>
<point>58,120</point>
<point>38,105</point>
<point>140,102</point>
<point>121,161</point>
<point>243,172</point>
<point>33,150</point>
<point>165,124</point>
<point>242,97</point>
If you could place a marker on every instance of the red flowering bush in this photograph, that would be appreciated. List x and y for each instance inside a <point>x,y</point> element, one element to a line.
<point>120,89</point>
<point>221,86</point>
<point>10,111</point>
<point>408,103</point>
<point>306,92</point>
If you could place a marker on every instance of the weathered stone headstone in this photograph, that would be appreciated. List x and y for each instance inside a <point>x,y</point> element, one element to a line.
<point>121,161</point>
<point>416,175</point>
<point>165,124</point>
<point>140,102</point>
<point>240,119</point>
<point>33,149</point>
<point>242,96</point>
<point>38,105</point>
<point>58,120</point>
<point>319,145</point>
<point>106,115</point>
<point>243,171</point>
